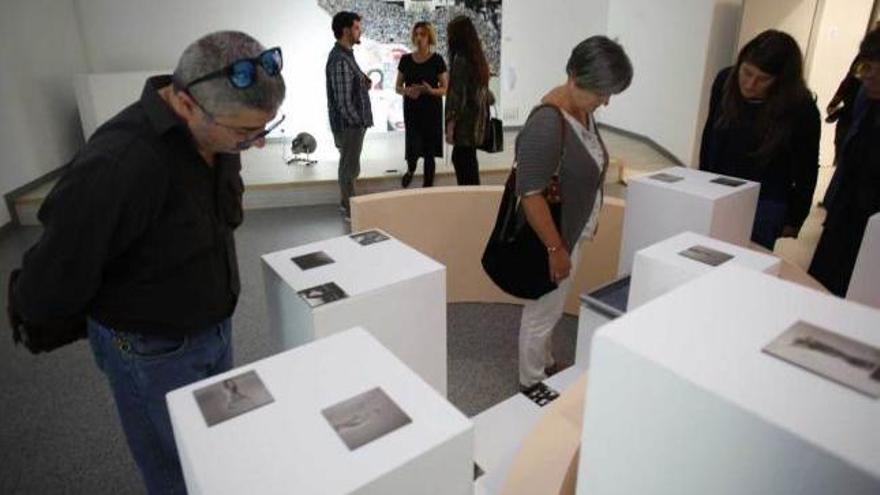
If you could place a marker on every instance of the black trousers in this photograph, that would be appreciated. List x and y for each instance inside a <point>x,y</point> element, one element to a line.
<point>430,167</point>
<point>467,170</point>
<point>835,257</point>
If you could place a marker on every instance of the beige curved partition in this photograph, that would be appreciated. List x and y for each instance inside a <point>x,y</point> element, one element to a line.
<point>452,225</point>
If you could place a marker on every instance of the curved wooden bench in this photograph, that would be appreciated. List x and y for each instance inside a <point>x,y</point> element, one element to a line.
<point>452,225</point>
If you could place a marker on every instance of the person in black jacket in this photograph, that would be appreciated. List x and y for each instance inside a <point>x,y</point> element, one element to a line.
<point>138,236</point>
<point>763,125</point>
<point>840,113</point>
<point>858,178</point>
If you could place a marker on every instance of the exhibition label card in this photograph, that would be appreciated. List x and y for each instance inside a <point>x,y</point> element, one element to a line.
<point>706,255</point>
<point>232,397</point>
<point>541,394</point>
<point>322,294</point>
<point>312,260</point>
<point>365,417</point>
<point>843,360</point>
<point>664,177</point>
<point>368,237</point>
<point>727,181</point>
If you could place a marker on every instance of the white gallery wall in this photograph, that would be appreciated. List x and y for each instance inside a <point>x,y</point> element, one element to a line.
<point>795,17</point>
<point>132,35</point>
<point>676,47</point>
<point>40,50</point>
<point>536,40</point>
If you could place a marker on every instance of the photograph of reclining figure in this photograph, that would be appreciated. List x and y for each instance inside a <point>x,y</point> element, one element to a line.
<point>846,361</point>
<point>365,417</point>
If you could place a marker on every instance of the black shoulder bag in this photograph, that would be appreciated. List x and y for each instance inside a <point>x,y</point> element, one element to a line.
<point>493,142</point>
<point>515,258</point>
<point>45,336</point>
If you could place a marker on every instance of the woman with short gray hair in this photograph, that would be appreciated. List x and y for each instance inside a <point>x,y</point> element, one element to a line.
<point>561,159</point>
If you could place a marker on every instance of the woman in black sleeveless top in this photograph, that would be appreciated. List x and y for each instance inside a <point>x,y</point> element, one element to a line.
<point>422,80</point>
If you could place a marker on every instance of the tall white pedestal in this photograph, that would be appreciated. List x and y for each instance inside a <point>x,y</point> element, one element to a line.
<point>395,292</point>
<point>683,399</point>
<point>864,286</point>
<point>657,210</point>
<point>288,446</point>
<point>666,265</point>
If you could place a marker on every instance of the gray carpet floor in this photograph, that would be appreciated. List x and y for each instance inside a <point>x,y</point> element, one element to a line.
<point>58,427</point>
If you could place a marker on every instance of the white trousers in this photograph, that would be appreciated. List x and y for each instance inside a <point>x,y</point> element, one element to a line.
<point>539,316</point>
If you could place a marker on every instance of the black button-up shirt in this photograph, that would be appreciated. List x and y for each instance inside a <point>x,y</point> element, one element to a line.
<point>139,230</point>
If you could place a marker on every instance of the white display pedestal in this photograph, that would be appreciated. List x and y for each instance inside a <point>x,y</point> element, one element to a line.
<point>682,399</point>
<point>864,286</point>
<point>657,210</point>
<point>500,430</point>
<point>395,292</point>
<point>660,268</point>
<point>288,446</point>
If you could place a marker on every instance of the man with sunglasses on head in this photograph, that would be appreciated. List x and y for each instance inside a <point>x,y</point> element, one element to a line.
<point>348,103</point>
<point>139,236</point>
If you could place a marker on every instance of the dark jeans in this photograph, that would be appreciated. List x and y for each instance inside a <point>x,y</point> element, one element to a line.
<point>769,221</point>
<point>141,369</point>
<point>349,142</point>
<point>467,170</point>
<point>430,167</point>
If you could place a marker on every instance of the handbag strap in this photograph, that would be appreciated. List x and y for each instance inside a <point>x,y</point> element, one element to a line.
<point>511,177</point>
<point>561,131</point>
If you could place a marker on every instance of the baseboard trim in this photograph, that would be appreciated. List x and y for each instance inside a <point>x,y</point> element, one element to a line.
<point>632,135</point>
<point>18,192</point>
<point>650,142</point>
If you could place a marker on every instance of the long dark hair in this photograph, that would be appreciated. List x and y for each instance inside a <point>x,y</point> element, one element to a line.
<point>777,54</point>
<point>463,41</point>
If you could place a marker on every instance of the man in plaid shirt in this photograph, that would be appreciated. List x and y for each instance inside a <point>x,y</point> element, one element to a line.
<point>348,103</point>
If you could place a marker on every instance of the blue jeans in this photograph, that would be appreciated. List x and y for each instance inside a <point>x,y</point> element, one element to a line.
<point>141,369</point>
<point>769,221</point>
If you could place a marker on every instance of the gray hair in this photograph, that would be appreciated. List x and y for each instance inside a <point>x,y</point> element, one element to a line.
<point>600,64</point>
<point>217,95</point>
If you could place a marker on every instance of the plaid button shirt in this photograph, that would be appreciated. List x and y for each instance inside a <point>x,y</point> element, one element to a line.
<point>348,101</point>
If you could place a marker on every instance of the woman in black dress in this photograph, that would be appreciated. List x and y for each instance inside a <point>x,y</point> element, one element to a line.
<point>422,80</point>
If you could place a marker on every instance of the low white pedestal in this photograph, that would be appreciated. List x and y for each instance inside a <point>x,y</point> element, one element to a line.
<point>657,210</point>
<point>287,446</point>
<point>682,399</point>
<point>395,292</point>
<point>500,430</point>
<point>662,267</point>
<point>864,286</point>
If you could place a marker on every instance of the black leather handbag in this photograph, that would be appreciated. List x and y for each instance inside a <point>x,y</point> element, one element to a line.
<point>515,258</point>
<point>45,336</point>
<point>493,142</point>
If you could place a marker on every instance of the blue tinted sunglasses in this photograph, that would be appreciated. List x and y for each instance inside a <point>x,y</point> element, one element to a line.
<point>243,73</point>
